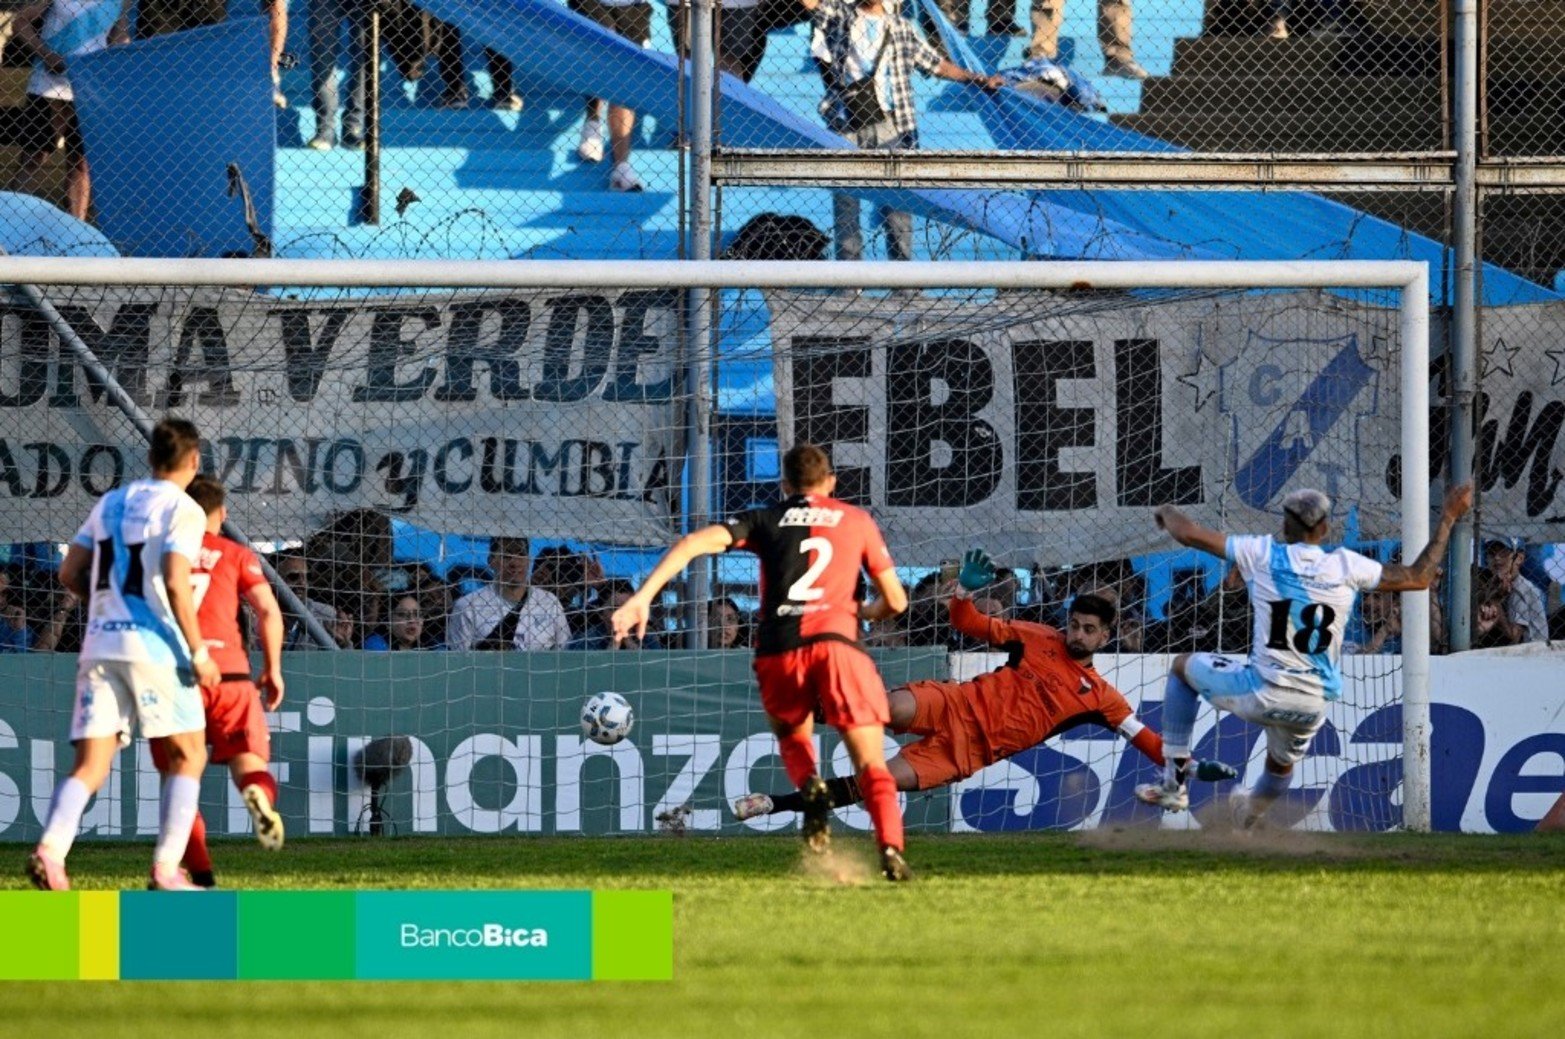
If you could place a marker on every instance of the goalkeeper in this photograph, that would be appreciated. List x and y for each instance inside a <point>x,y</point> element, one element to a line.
<point>1046,687</point>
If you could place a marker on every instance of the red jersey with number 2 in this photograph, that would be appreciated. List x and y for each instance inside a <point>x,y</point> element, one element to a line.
<point>812,549</point>
<point>225,571</point>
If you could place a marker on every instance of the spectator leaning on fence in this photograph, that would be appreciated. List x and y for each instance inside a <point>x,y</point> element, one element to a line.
<point>1114,20</point>
<point>866,52</point>
<point>508,613</point>
<point>1523,600</point>
<point>70,29</point>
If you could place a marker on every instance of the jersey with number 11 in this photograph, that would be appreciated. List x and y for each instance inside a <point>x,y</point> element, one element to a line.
<point>130,531</point>
<point>1302,596</point>
<point>812,550</point>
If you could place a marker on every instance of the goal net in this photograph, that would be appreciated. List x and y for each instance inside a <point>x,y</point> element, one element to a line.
<point>408,445</point>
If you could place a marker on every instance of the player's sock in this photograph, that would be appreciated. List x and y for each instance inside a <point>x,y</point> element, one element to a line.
<point>198,859</point>
<point>1180,703</point>
<point>263,779</point>
<point>844,791</point>
<point>1268,788</point>
<point>880,797</point>
<point>181,797</point>
<point>65,816</point>
<point>798,755</point>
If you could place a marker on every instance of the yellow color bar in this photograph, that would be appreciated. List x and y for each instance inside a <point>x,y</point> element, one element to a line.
<point>99,947</point>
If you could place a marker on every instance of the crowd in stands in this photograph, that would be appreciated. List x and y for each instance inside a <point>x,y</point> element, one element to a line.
<point>559,598</point>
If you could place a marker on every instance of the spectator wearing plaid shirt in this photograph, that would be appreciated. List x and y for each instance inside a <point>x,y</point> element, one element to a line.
<point>847,41</point>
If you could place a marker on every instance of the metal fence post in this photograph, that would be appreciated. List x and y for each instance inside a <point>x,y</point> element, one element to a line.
<point>1463,346</point>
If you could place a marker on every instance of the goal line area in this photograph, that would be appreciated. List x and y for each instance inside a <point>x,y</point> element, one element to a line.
<point>399,440</point>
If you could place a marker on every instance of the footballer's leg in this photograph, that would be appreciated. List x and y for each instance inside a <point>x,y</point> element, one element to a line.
<point>186,756</point>
<point>844,791</point>
<point>46,865</point>
<point>798,754</point>
<point>197,859</point>
<point>258,788</point>
<point>866,746</point>
<point>1286,746</point>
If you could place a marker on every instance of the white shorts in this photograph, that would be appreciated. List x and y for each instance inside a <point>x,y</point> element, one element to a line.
<point>1291,717</point>
<point>112,696</point>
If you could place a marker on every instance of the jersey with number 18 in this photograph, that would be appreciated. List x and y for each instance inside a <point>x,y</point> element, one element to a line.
<point>130,532</point>
<point>1301,596</point>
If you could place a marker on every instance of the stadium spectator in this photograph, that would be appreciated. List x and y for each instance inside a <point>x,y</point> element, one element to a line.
<point>326,18</point>
<point>16,636</point>
<point>351,554</point>
<point>1492,627</point>
<point>599,633</point>
<point>1377,628</point>
<point>866,52</point>
<point>631,19</point>
<point>434,598</point>
<point>446,45</point>
<point>343,626</point>
<point>508,613</point>
<point>404,627</point>
<point>294,570</point>
<point>57,31</point>
<point>739,35</point>
<point>1523,600</point>
<point>1114,36</point>
<point>1130,633</point>
<point>61,632</point>
<point>571,577</point>
<point>999,17</point>
<point>726,625</point>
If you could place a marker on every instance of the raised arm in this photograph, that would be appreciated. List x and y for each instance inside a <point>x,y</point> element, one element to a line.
<point>1189,533</point>
<point>632,617</point>
<point>1396,577</point>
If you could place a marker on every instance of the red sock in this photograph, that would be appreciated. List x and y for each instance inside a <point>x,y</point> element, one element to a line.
<point>798,755</point>
<point>263,779</point>
<point>197,859</point>
<point>880,797</point>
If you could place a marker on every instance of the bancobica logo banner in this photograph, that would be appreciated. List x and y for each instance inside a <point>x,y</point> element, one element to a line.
<point>550,413</point>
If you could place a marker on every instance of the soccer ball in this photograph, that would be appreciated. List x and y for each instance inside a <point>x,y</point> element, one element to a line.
<point>606,718</point>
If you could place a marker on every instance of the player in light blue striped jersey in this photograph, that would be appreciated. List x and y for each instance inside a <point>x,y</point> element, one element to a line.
<point>1301,596</point>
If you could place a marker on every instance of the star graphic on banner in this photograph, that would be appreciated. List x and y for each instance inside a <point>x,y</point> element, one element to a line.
<point>1499,359</point>
<point>1558,357</point>
<point>1202,380</point>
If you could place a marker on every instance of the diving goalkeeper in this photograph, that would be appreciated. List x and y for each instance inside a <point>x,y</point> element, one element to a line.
<point>1046,687</point>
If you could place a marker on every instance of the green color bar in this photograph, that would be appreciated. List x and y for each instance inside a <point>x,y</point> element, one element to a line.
<point>632,935</point>
<point>41,936</point>
<point>296,935</point>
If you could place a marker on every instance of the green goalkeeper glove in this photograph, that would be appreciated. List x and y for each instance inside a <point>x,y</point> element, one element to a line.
<point>1214,771</point>
<point>977,570</point>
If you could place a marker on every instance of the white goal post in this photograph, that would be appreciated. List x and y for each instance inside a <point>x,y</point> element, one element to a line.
<point>1408,281</point>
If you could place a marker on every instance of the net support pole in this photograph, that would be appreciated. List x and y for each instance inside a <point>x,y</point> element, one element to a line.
<point>369,194</point>
<point>1414,329</point>
<point>703,68</point>
<point>1464,315</point>
<point>127,406</point>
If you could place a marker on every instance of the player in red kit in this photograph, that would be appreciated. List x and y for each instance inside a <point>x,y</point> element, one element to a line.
<point>812,549</point>
<point>235,726</point>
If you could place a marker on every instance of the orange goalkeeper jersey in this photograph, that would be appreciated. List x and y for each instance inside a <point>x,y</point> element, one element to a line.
<point>1040,690</point>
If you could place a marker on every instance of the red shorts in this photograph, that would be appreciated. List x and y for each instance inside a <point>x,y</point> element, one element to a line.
<point>235,723</point>
<point>953,745</point>
<point>838,676</point>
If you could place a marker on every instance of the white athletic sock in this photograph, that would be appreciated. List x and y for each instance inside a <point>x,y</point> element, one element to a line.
<point>181,797</point>
<point>65,816</point>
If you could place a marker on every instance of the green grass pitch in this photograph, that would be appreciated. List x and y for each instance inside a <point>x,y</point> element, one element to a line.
<point>1125,934</point>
